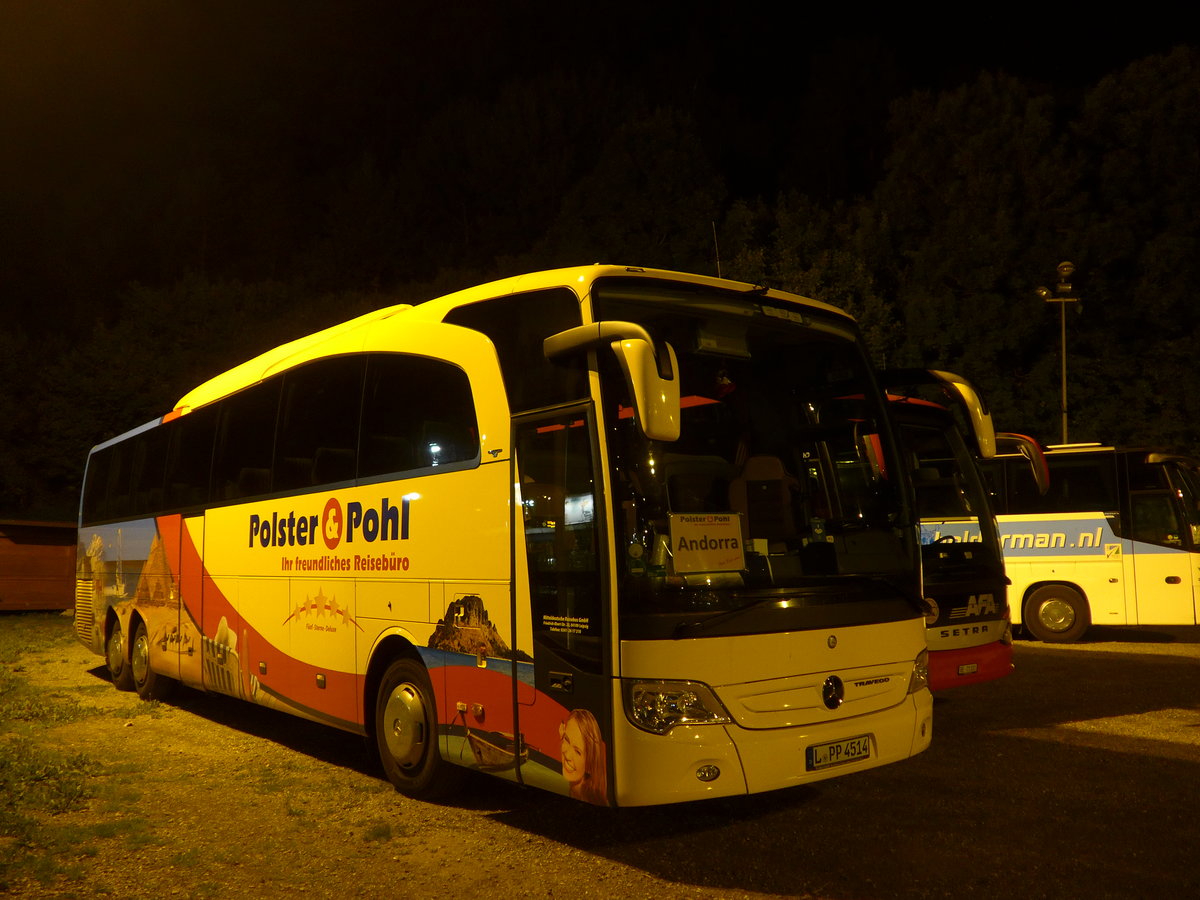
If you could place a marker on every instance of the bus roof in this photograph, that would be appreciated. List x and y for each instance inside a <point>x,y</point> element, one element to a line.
<point>350,336</point>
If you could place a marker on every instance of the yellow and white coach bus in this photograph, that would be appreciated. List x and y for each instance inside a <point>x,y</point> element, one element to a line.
<point>1115,540</point>
<point>632,536</point>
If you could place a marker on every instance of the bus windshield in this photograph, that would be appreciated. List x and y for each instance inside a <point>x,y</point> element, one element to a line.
<point>957,525</point>
<point>781,505</point>
<point>1184,478</point>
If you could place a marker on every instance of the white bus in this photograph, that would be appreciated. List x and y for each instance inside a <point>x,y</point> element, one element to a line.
<point>1114,541</point>
<point>612,532</point>
<point>966,590</point>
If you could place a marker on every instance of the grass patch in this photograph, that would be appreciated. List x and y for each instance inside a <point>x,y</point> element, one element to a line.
<point>137,707</point>
<point>52,709</point>
<point>378,832</point>
<point>22,631</point>
<point>133,830</point>
<point>33,782</point>
<point>37,782</point>
<point>35,779</point>
<point>192,857</point>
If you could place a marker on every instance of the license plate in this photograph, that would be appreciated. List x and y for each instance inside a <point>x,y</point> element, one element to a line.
<point>836,753</point>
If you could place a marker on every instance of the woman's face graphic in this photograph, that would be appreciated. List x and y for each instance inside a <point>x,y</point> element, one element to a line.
<point>572,752</point>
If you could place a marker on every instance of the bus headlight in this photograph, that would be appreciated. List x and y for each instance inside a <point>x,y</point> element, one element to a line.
<point>919,679</point>
<point>658,706</point>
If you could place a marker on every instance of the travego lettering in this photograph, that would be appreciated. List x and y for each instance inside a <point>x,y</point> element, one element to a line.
<point>383,523</point>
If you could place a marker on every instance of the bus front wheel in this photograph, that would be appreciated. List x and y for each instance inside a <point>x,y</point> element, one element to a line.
<point>118,666</point>
<point>1057,614</point>
<point>149,684</point>
<point>406,734</point>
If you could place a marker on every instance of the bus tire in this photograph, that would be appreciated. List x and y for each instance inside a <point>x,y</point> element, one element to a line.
<point>149,684</point>
<point>406,731</point>
<point>1057,614</point>
<point>118,665</point>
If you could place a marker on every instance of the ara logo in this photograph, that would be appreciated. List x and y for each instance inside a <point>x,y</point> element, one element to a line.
<point>977,605</point>
<point>335,525</point>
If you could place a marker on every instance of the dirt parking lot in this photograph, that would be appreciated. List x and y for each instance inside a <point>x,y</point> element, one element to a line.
<point>1075,776</point>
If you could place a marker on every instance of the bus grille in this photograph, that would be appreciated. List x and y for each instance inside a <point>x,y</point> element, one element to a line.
<point>85,611</point>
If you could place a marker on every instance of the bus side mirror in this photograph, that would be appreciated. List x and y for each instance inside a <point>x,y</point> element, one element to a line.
<point>651,374</point>
<point>1032,451</point>
<point>976,410</point>
<point>655,394</point>
<point>958,389</point>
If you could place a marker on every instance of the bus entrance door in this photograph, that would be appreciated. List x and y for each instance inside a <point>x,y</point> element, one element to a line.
<point>568,716</point>
<point>1165,574</point>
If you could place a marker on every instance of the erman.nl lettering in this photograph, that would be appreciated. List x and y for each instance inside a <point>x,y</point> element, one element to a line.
<point>333,526</point>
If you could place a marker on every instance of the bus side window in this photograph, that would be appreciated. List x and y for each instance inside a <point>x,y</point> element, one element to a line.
<point>1083,482</point>
<point>1154,519</point>
<point>246,442</point>
<point>117,490</point>
<point>95,485</point>
<point>517,325</point>
<point>318,423</point>
<point>418,413</point>
<point>149,471</point>
<point>189,458</point>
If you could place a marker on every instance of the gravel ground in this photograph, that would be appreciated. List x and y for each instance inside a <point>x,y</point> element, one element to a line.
<point>1076,776</point>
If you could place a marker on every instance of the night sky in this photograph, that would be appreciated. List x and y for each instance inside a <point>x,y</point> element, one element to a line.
<point>184,184</point>
<point>121,119</point>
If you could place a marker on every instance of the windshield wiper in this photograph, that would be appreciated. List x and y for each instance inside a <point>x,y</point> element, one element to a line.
<point>695,627</point>
<point>828,592</point>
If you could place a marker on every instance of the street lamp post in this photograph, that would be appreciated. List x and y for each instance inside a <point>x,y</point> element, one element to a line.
<point>1062,295</point>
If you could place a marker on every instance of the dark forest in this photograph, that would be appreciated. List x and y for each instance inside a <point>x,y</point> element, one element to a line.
<point>188,184</point>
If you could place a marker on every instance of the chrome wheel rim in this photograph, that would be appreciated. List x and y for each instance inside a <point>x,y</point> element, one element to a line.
<point>1057,615</point>
<point>116,650</point>
<point>140,658</point>
<point>404,725</point>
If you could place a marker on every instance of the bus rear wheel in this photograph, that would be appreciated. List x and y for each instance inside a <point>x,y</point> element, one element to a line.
<point>149,684</point>
<point>118,666</point>
<point>1057,614</point>
<point>406,735</point>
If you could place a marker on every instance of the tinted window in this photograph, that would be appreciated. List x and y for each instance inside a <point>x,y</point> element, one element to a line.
<point>149,464</point>
<point>1078,483</point>
<point>95,485</point>
<point>245,442</point>
<point>518,325</point>
<point>417,413</point>
<point>409,413</point>
<point>558,502</point>
<point>189,457</point>
<point>318,424</point>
